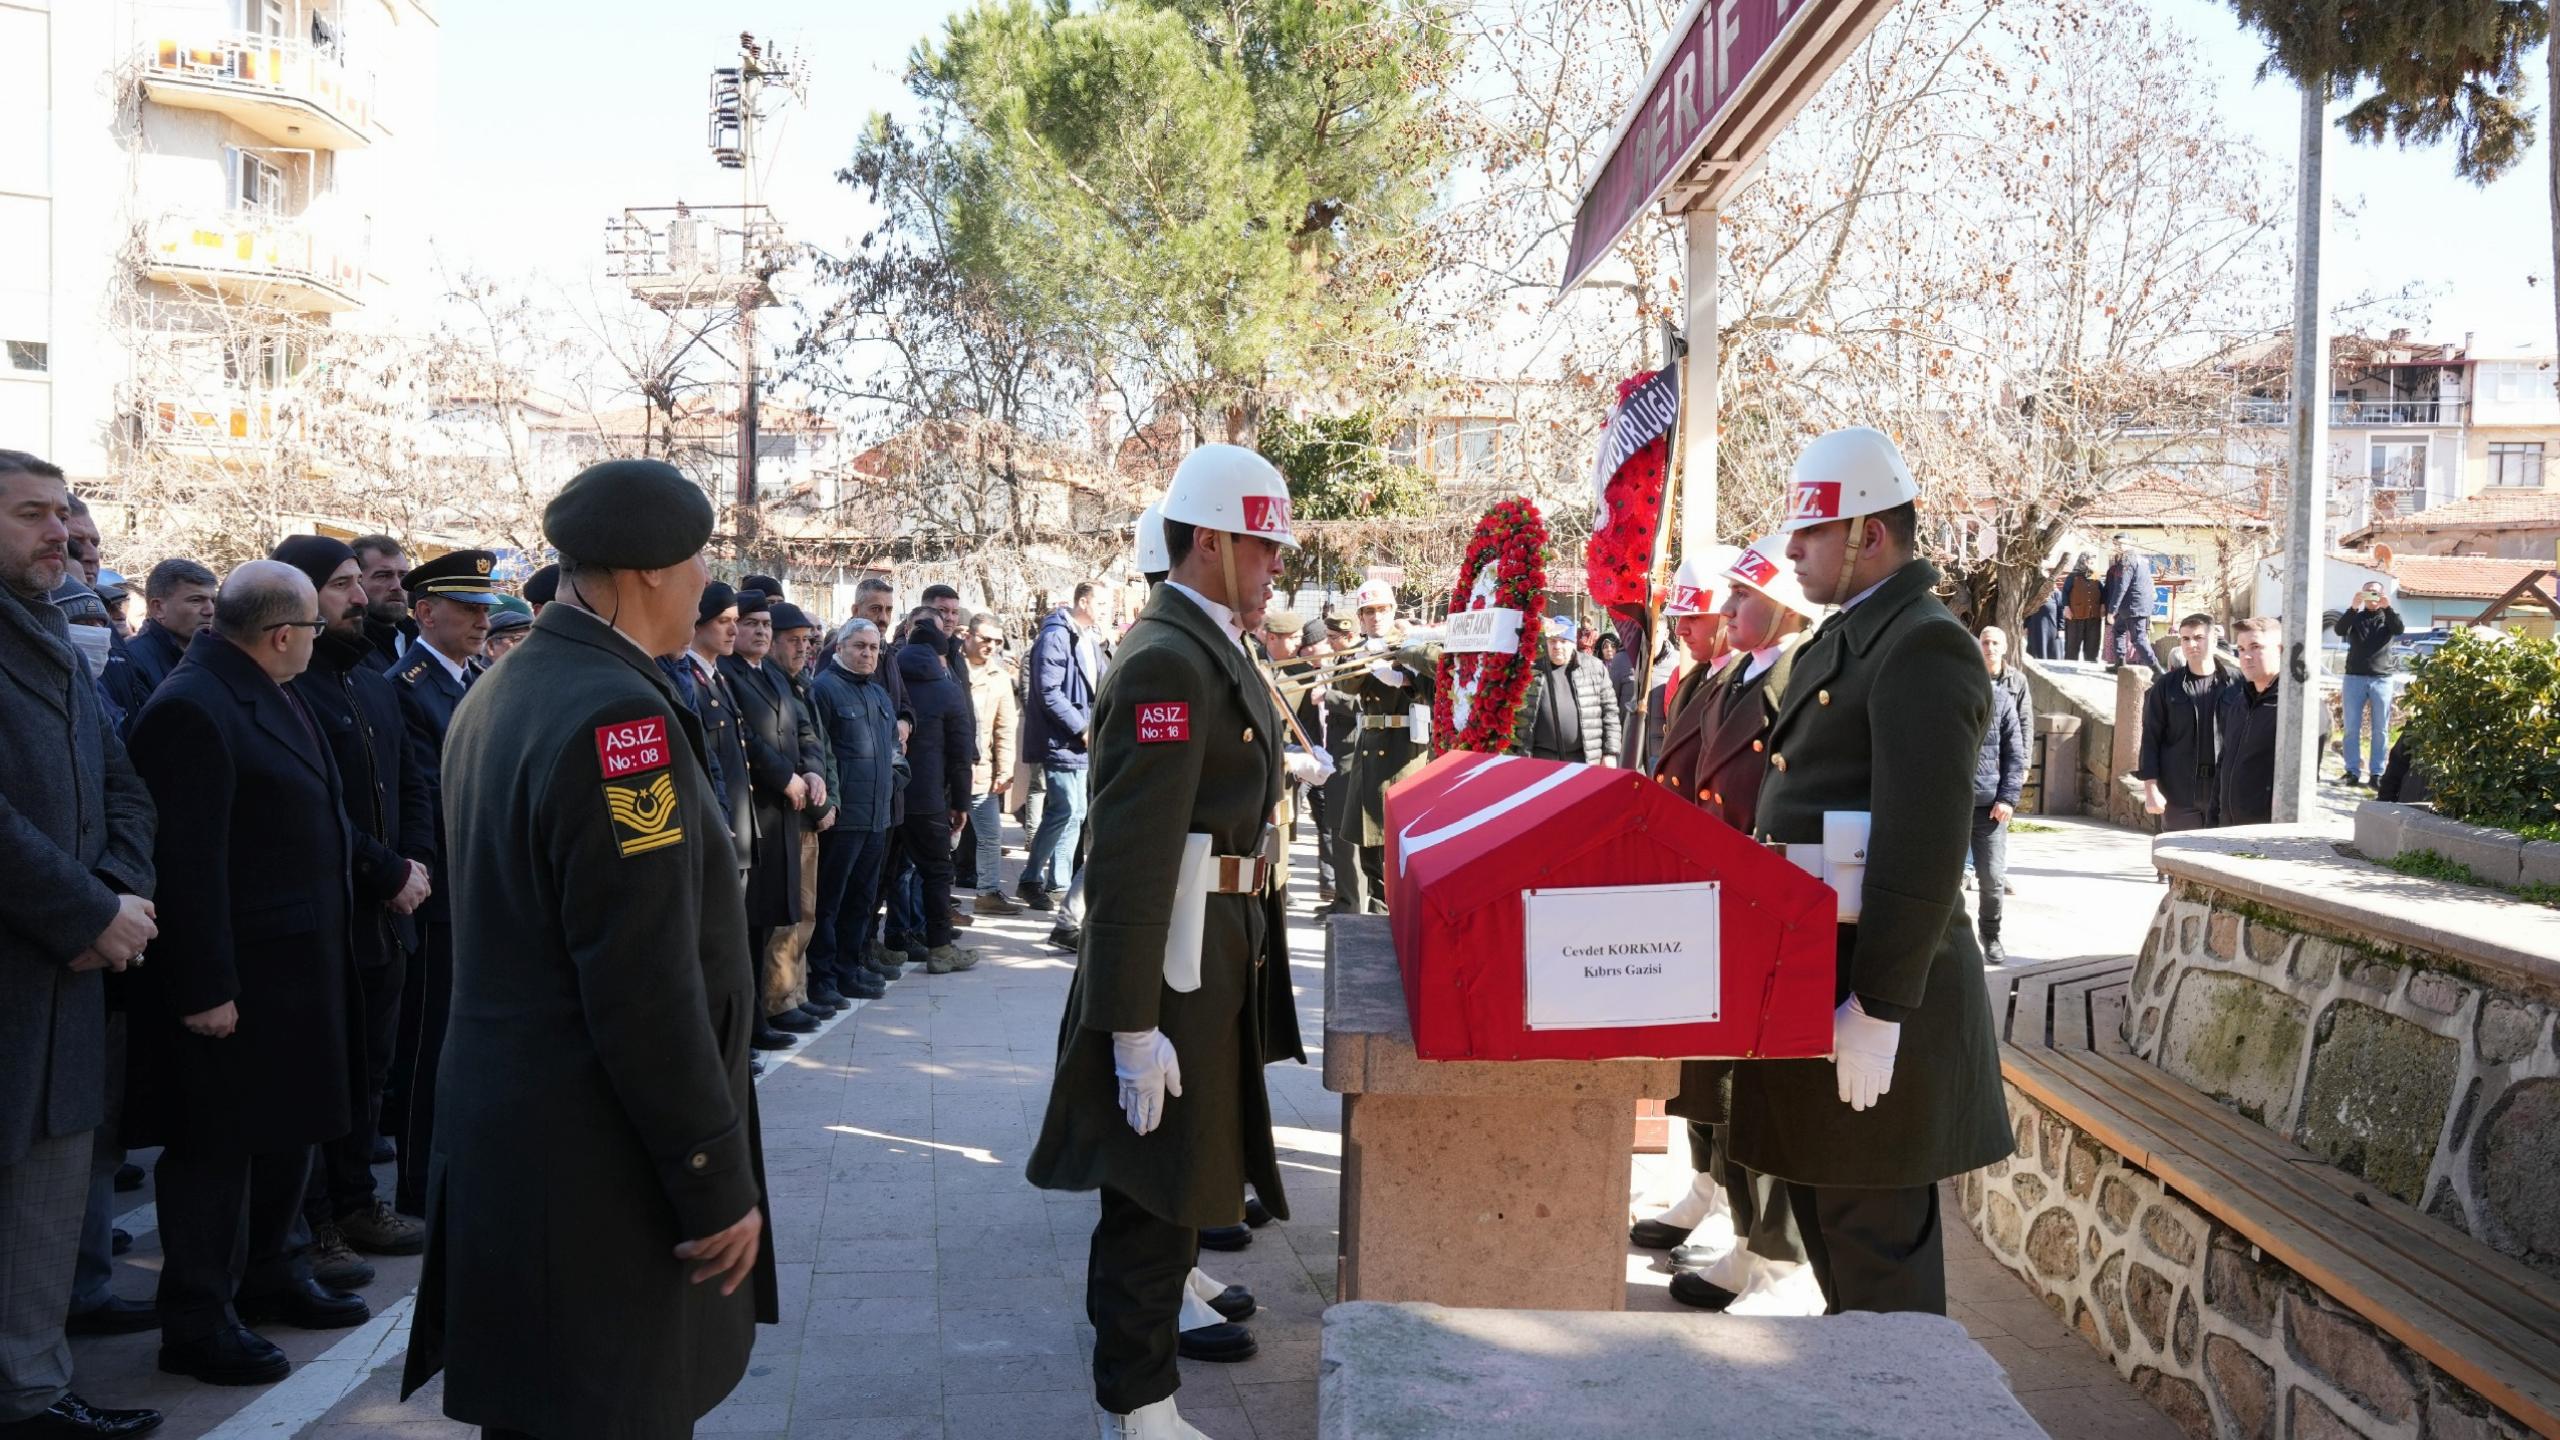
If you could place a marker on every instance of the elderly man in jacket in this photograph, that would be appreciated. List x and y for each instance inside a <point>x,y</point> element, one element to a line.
<point>862,727</point>
<point>77,824</point>
<point>1572,710</point>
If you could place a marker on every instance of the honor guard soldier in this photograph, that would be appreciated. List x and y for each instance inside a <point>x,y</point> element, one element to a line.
<point>1715,751</point>
<point>1158,1100</point>
<point>596,1262</point>
<point>1384,694</point>
<point>1871,759</point>
<point>450,599</point>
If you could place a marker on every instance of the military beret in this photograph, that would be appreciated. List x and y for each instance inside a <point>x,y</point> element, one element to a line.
<point>510,613</point>
<point>317,556</point>
<point>629,515</point>
<point>456,575</point>
<point>787,616</point>
<point>1338,624</point>
<point>753,602</point>
<point>765,583</point>
<point>716,597</point>
<point>543,586</point>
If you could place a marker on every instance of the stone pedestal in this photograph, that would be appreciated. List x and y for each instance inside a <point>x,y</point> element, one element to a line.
<point>1418,1372</point>
<point>1472,1182</point>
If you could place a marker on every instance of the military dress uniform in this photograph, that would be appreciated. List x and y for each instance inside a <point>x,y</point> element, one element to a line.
<point>1884,714</point>
<point>598,1110</point>
<point>1185,740</point>
<point>1386,753</point>
<point>429,696</point>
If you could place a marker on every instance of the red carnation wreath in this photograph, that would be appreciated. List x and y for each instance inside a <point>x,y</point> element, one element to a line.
<point>1478,698</point>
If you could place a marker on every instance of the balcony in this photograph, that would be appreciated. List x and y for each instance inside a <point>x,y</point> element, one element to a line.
<point>256,258</point>
<point>2262,410</point>
<point>286,91</point>
<point>203,422</point>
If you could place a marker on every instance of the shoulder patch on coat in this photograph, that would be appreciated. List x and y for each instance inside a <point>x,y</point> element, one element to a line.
<point>628,747</point>
<point>1163,721</point>
<point>644,814</point>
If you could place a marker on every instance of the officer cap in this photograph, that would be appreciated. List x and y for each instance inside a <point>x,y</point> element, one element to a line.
<point>753,602</point>
<point>716,597</point>
<point>456,575</point>
<point>629,515</point>
<point>788,617</point>
<point>510,613</point>
<point>543,586</point>
<point>317,556</point>
<point>765,583</point>
<point>1338,624</point>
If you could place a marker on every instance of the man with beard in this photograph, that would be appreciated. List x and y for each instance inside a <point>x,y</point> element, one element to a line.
<point>383,569</point>
<point>385,791</point>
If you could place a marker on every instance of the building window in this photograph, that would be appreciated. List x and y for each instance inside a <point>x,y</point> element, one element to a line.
<point>2398,469</point>
<point>1468,447</point>
<point>2516,464</point>
<point>30,355</point>
<point>259,187</point>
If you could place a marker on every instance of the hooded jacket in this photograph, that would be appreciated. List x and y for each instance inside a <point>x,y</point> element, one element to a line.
<point>938,750</point>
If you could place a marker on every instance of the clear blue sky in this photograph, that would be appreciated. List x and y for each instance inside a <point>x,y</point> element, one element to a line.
<point>552,122</point>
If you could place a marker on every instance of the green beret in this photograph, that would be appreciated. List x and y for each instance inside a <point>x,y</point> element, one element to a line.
<point>629,515</point>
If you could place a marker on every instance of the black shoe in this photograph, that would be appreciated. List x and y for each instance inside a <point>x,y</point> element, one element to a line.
<point>868,985</point>
<point>1226,1237</point>
<point>1654,1235</point>
<point>1693,1289</point>
<point>792,1022</point>
<point>119,1241</point>
<point>305,1305</point>
<point>1066,937</point>
<point>72,1416</point>
<point>237,1356</point>
<point>1256,1214</point>
<point>1697,1257</point>
<point>1994,955</point>
<point>825,993</point>
<point>768,1038</point>
<point>1033,896</point>
<point>128,1177</point>
<point>1220,1344</point>
<point>118,1316</point>
<point>384,1151</point>
<point>1235,1302</point>
<point>755,1067</point>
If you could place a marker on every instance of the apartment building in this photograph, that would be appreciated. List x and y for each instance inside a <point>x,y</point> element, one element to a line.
<point>2515,420</point>
<point>197,198</point>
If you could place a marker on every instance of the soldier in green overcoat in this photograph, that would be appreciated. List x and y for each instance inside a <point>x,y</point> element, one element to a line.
<point>1384,695</point>
<point>1158,1099</point>
<point>1882,719</point>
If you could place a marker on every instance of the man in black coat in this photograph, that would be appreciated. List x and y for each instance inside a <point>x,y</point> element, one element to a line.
<point>596,1262</point>
<point>449,602</point>
<point>2244,770</point>
<point>394,832</point>
<point>715,636</point>
<point>937,785</point>
<point>2181,717</point>
<point>384,572</point>
<point>783,778</point>
<point>177,603</point>
<point>243,1056</point>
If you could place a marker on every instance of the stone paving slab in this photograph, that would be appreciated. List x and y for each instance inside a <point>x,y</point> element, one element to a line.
<point>931,1294</point>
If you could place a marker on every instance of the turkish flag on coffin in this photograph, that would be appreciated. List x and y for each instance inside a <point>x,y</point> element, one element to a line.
<point>1470,837</point>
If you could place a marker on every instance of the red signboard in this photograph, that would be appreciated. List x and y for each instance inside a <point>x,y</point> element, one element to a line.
<point>1713,59</point>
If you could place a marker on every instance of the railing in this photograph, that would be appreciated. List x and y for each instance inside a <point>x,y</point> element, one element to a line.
<point>258,246</point>
<point>266,65</point>
<point>2259,410</point>
<point>213,419</point>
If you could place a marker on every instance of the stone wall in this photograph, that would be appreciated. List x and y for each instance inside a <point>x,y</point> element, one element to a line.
<point>2090,701</point>
<point>2224,1341</point>
<point>2435,1079</point>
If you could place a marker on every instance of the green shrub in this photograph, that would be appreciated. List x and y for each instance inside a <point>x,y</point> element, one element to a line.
<point>2484,716</point>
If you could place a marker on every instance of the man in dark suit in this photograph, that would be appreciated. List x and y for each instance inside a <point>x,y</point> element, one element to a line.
<point>597,1260</point>
<point>177,603</point>
<point>383,570</point>
<point>783,778</point>
<point>242,1053</point>
<point>449,602</point>
<point>1879,728</point>
<point>388,813</point>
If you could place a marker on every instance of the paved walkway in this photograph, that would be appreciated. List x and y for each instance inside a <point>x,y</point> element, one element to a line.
<point>927,1291</point>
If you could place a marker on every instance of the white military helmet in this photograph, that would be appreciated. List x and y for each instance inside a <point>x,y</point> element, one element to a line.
<point>1154,557</point>
<point>1847,473</point>
<point>1372,594</point>
<point>1699,585</point>
<point>1231,489</point>
<point>1763,566</point>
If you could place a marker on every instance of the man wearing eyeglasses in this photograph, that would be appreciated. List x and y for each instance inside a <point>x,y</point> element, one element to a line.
<point>242,1059</point>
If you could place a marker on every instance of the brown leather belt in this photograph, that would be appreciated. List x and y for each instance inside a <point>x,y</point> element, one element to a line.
<point>1238,874</point>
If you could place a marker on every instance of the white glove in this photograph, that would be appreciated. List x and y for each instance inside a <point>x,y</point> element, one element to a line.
<point>1307,769</point>
<point>1386,673</point>
<point>1144,1062</point>
<point>1862,1052</point>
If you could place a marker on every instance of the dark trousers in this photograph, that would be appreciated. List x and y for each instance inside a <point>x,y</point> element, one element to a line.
<point>1761,1215</point>
<point>342,1177</point>
<point>2179,817</point>
<point>95,1266</point>
<point>1990,871</point>
<point>2129,643</point>
<point>1133,1282</point>
<point>1878,1250</point>
<point>848,894</point>
<point>928,838</point>
<point>426,1005</point>
<point>2080,639</point>
<point>226,1229</point>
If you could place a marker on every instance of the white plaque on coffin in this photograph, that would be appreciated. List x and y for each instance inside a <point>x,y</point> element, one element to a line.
<point>1611,956</point>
